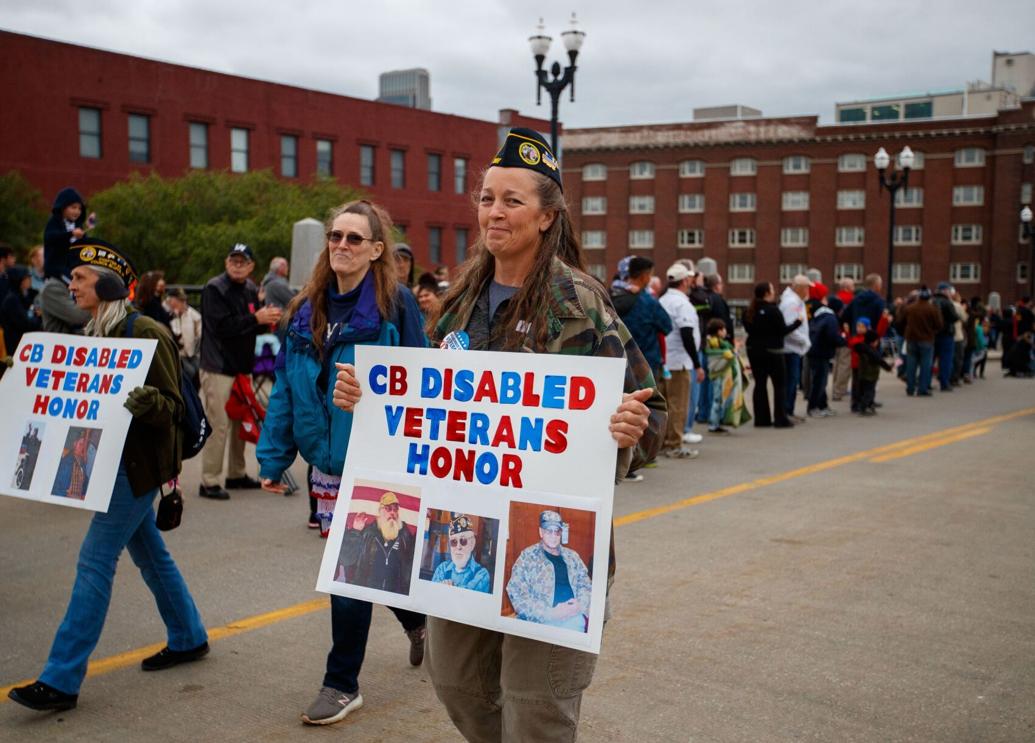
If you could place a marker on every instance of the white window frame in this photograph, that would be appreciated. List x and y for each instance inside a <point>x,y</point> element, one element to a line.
<point>794,237</point>
<point>969,157</point>
<point>796,164</point>
<point>691,169</point>
<point>905,273</point>
<point>851,198</point>
<point>690,238</point>
<point>1028,154</point>
<point>641,170</point>
<point>594,172</point>
<point>851,162</point>
<point>740,273</point>
<point>748,233</point>
<point>597,271</point>
<point>965,272</point>
<point>967,234</point>
<point>789,270</point>
<point>1026,193</point>
<point>971,195</point>
<point>909,198</point>
<point>691,203</point>
<point>641,204</point>
<point>594,205</point>
<point>641,239</point>
<point>918,160</point>
<point>1022,272</point>
<point>90,132</point>
<point>239,156</point>
<point>594,239</point>
<point>853,271</point>
<point>197,142</point>
<point>743,201</point>
<point>744,166</point>
<point>908,234</point>
<point>795,201</point>
<point>840,233</point>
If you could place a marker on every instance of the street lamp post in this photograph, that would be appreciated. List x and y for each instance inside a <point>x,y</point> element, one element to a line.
<point>540,44</point>
<point>1029,235</point>
<point>892,182</point>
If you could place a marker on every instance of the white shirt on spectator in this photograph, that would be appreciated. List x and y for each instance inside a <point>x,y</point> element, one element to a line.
<point>793,308</point>
<point>683,315</point>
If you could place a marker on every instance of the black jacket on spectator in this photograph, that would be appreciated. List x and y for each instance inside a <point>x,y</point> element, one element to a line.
<point>14,312</point>
<point>228,326</point>
<point>56,239</point>
<point>825,334</point>
<point>767,328</point>
<point>721,310</point>
<point>867,303</point>
<point>949,315</point>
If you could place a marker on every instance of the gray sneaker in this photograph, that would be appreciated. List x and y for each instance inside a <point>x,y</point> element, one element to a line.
<point>331,706</point>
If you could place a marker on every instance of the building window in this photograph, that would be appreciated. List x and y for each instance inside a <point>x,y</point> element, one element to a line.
<point>690,239</point>
<point>887,112</point>
<point>795,201</point>
<point>594,205</point>
<point>691,202</point>
<point>908,234</point>
<point>1026,193</point>
<point>288,156</point>
<point>139,138</point>
<point>851,199</point>
<point>742,238</point>
<point>366,165</point>
<point>1029,154</point>
<point>598,271</point>
<point>909,197</point>
<point>461,244</point>
<point>1022,272</point>
<point>919,110</point>
<point>742,202</point>
<point>642,169</point>
<point>434,172</point>
<point>851,115</point>
<point>848,236</point>
<point>641,238</point>
<point>641,204</point>
<point>1020,234</point>
<point>239,150</point>
<point>964,273</point>
<point>794,237</point>
<point>796,164</point>
<point>905,273</point>
<point>324,157</point>
<point>398,169</point>
<point>966,234</point>
<point>852,271</point>
<point>789,270</point>
<point>743,166</point>
<point>594,172</point>
<point>741,273</point>
<point>691,169</point>
<point>851,163</point>
<point>918,160</point>
<point>198,135</point>
<point>594,239</point>
<point>90,132</point>
<point>460,174</point>
<point>968,195</point>
<point>435,245</point>
<point>970,157</point>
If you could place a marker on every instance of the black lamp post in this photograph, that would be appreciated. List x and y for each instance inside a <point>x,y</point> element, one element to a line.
<point>1029,235</point>
<point>540,44</point>
<point>898,178</point>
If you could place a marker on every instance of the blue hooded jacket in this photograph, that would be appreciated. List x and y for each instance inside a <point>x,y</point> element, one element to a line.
<point>301,417</point>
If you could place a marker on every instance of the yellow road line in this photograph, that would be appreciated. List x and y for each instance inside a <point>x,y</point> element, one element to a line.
<point>887,452</point>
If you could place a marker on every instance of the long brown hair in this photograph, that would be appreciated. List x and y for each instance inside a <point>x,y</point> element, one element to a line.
<point>147,287</point>
<point>559,240</point>
<point>385,281</point>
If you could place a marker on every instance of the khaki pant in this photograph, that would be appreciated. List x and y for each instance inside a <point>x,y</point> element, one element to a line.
<point>501,688</point>
<point>842,372</point>
<point>215,391</point>
<point>677,395</point>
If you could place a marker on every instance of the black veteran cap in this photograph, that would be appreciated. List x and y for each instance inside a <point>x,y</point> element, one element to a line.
<point>93,252</point>
<point>525,148</point>
<point>460,523</point>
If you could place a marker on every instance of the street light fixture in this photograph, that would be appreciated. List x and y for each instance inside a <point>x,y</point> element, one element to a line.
<point>892,182</point>
<point>540,45</point>
<point>1029,234</point>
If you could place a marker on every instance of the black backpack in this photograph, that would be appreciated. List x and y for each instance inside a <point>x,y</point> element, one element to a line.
<point>194,426</point>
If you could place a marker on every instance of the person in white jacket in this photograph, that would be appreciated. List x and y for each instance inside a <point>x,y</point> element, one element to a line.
<point>796,344</point>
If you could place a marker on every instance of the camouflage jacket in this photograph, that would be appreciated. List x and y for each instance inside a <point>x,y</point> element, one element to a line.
<point>582,322</point>
<point>532,583</point>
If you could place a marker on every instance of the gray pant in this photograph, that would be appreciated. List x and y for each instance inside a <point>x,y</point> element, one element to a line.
<point>60,314</point>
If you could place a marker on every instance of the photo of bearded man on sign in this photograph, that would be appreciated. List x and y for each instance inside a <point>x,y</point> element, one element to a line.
<point>377,552</point>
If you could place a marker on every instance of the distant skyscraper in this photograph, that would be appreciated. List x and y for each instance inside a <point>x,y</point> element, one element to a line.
<point>406,88</point>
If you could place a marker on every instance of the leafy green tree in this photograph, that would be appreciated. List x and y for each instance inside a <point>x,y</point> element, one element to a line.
<point>185,226</point>
<point>23,212</point>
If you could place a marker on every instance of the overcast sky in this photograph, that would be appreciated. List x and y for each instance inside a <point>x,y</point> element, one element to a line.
<point>642,62</point>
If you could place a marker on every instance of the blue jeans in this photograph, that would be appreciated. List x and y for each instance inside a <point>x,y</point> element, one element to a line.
<point>350,625</point>
<point>919,356</point>
<point>714,387</point>
<point>129,523</point>
<point>820,370</point>
<point>944,351</point>
<point>704,405</point>
<point>695,397</point>
<point>793,362</point>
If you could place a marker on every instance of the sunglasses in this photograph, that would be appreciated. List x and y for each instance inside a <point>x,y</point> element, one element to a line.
<point>461,541</point>
<point>352,238</point>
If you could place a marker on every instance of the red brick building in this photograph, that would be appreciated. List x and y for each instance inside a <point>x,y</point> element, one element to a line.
<point>86,117</point>
<point>768,197</point>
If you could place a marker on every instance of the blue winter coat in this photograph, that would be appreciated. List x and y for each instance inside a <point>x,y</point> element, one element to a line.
<point>867,303</point>
<point>825,334</point>
<point>301,417</point>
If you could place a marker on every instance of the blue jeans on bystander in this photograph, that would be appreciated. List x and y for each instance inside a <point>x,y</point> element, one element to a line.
<point>793,362</point>
<point>919,357</point>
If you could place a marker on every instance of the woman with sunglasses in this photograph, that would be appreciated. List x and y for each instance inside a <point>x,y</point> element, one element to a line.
<point>352,297</point>
<point>525,289</point>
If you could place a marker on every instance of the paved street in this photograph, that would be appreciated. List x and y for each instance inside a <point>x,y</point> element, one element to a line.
<point>849,580</point>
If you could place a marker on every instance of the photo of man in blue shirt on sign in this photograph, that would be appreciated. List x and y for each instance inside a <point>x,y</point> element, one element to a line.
<point>462,570</point>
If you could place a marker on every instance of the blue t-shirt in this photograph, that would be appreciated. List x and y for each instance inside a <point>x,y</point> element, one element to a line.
<point>561,585</point>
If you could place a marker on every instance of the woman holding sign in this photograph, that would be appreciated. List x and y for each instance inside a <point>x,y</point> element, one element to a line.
<point>525,289</point>
<point>353,296</point>
<point>150,457</point>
